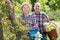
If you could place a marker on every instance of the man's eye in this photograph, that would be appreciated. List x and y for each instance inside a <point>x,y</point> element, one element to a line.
<point>37,6</point>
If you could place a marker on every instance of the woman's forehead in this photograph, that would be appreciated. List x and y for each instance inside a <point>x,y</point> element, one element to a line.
<point>25,6</point>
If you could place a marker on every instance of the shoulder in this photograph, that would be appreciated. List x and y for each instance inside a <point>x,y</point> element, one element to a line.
<point>43,13</point>
<point>32,13</point>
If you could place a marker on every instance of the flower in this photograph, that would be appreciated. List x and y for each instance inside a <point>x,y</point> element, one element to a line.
<point>38,36</point>
<point>8,18</point>
<point>49,25</point>
<point>46,24</point>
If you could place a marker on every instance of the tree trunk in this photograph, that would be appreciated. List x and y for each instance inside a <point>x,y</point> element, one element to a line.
<point>1,28</point>
<point>33,1</point>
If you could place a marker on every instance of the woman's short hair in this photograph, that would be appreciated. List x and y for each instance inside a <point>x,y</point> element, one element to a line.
<point>23,4</point>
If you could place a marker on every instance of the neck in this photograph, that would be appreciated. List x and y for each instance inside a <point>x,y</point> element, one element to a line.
<point>37,12</point>
<point>25,15</point>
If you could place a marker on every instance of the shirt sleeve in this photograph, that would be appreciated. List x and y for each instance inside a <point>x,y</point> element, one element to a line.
<point>45,18</point>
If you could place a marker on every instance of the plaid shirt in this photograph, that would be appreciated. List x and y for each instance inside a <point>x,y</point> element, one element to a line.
<point>29,19</point>
<point>40,19</point>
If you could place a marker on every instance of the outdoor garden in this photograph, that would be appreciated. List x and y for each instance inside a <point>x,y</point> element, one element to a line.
<point>10,10</point>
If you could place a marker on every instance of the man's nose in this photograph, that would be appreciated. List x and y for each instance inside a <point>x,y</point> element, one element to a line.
<point>37,6</point>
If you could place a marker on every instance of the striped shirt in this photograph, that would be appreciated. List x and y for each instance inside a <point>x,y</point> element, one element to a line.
<point>40,19</point>
<point>31,21</point>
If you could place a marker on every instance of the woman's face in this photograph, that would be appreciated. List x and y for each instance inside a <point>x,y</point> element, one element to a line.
<point>25,9</point>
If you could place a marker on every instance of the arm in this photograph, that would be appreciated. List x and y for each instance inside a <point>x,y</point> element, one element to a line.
<point>45,18</point>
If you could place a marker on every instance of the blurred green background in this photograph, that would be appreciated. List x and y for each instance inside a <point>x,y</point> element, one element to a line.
<point>8,7</point>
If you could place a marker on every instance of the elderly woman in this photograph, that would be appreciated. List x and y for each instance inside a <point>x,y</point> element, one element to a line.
<point>28,19</point>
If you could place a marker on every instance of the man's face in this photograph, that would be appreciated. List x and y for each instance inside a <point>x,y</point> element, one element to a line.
<point>37,7</point>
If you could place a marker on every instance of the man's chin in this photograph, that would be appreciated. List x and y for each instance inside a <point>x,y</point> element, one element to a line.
<point>26,12</point>
<point>37,11</point>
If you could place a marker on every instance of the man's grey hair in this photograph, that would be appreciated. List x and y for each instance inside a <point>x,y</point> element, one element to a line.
<point>37,3</point>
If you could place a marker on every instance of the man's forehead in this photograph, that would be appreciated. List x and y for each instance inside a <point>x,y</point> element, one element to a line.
<point>37,4</point>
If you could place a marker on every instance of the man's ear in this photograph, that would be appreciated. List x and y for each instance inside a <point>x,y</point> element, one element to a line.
<point>34,7</point>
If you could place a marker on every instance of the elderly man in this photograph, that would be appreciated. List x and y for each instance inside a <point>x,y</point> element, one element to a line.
<point>40,18</point>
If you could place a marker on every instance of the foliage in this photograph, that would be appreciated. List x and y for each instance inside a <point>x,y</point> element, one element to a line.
<point>55,4</point>
<point>13,8</point>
